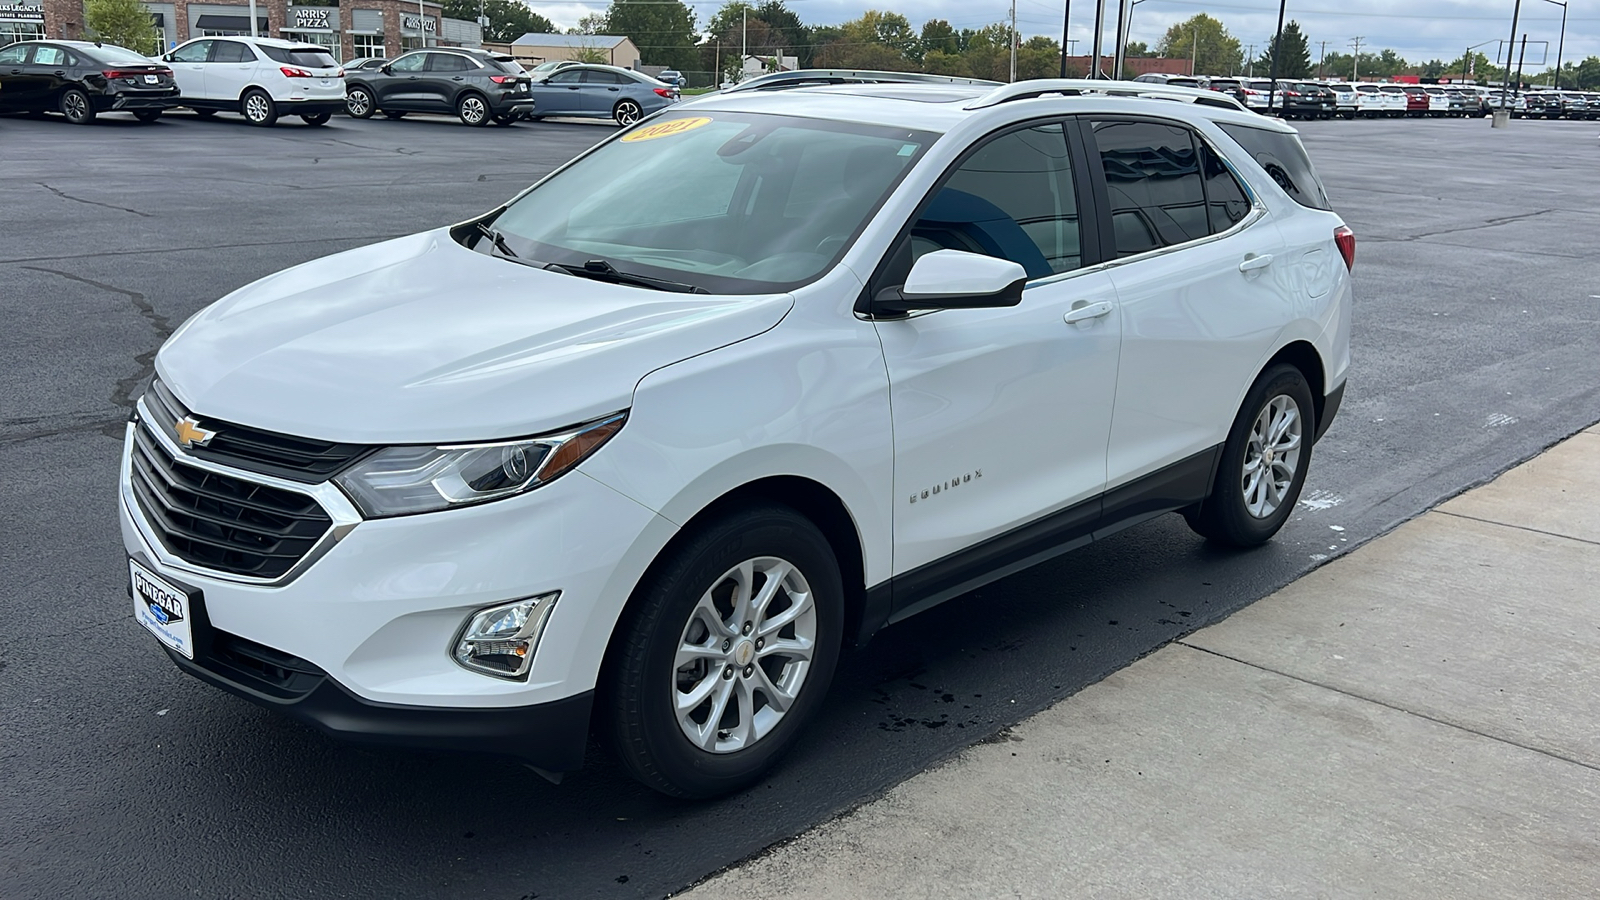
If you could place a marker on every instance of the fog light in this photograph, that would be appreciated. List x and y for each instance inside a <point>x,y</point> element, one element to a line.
<point>501,640</point>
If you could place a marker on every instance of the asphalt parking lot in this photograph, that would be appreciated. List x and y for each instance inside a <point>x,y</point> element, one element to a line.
<point>1476,346</point>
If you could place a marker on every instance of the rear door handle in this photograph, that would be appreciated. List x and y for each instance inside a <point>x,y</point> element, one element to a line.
<point>1083,311</point>
<point>1253,262</point>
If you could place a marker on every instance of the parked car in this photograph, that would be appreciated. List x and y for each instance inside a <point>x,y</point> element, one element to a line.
<point>604,92</point>
<point>1440,103</point>
<point>1399,100</point>
<point>1593,99</point>
<point>1542,105</point>
<point>1574,105</point>
<point>1417,102</point>
<point>81,80</point>
<point>1257,95</point>
<point>672,77</point>
<point>1305,100</point>
<point>648,446</point>
<point>472,84</point>
<point>1471,101</point>
<point>1346,99</point>
<point>1498,99</point>
<point>549,66</point>
<point>1229,86</point>
<point>259,78</point>
<point>363,64</point>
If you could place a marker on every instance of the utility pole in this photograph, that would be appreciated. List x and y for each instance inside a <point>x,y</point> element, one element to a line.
<point>1250,62</point>
<point>253,19</point>
<point>1511,44</point>
<point>1124,23</point>
<point>1277,53</point>
<point>1520,57</point>
<point>1321,59</point>
<point>422,24</point>
<point>1355,58</point>
<point>1094,39</point>
<point>1562,43</point>
<point>1013,41</point>
<point>1066,17</point>
<point>1194,50</point>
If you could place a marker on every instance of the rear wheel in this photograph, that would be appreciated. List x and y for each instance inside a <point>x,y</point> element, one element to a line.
<point>258,108</point>
<point>359,103</point>
<point>627,112</point>
<point>318,119</point>
<point>1263,463</point>
<point>76,107</point>
<point>726,652</point>
<point>473,110</point>
<point>147,115</point>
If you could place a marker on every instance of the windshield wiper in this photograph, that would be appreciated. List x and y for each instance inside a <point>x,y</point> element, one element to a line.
<point>602,270</point>
<point>496,238</point>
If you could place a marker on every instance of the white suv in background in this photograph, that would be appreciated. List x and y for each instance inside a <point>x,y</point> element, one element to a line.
<point>646,447</point>
<point>259,78</point>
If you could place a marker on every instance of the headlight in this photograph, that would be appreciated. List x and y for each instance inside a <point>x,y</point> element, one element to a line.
<point>397,481</point>
<point>501,640</point>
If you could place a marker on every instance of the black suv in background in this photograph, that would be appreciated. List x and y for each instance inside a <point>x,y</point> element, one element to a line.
<point>473,84</point>
<point>1304,100</point>
<point>80,79</point>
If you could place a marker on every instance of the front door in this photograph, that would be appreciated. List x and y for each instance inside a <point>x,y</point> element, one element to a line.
<point>48,76</point>
<point>561,95</point>
<point>15,80</point>
<point>1198,292</point>
<point>401,89</point>
<point>189,64</point>
<point>1001,415</point>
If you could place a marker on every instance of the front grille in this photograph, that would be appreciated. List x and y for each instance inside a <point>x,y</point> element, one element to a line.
<point>281,455</point>
<point>221,522</point>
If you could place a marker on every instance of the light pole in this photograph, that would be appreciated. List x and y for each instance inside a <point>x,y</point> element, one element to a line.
<point>1560,44</point>
<point>1466,58</point>
<point>1124,32</point>
<point>1511,46</point>
<point>1066,17</point>
<point>1277,52</point>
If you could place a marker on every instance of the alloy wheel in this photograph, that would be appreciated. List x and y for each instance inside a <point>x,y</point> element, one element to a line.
<point>744,655</point>
<point>75,105</point>
<point>359,104</point>
<point>474,111</point>
<point>257,108</point>
<point>628,112</point>
<point>1272,456</point>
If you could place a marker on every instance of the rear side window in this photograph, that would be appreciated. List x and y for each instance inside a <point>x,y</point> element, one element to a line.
<point>49,56</point>
<point>1226,201</point>
<point>1153,180</point>
<point>305,57</point>
<point>1283,157</point>
<point>599,76</point>
<point>448,62</point>
<point>231,52</point>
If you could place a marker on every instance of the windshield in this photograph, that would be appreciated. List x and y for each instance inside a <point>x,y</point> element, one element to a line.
<point>107,53</point>
<point>309,57</point>
<point>734,203</point>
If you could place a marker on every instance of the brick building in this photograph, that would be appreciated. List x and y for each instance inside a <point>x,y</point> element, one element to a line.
<point>352,29</point>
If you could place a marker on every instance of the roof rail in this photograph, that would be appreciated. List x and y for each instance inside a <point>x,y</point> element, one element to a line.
<point>1072,87</point>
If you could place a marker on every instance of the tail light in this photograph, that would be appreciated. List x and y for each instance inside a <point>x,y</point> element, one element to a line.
<point>665,92</point>
<point>502,79</point>
<point>121,73</point>
<point>292,72</point>
<point>1345,239</point>
<point>1291,93</point>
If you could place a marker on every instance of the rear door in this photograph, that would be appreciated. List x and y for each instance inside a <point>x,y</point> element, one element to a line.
<point>600,91</point>
<point>444,77</point>
<point>1197,283</point>
<point>231,70</point>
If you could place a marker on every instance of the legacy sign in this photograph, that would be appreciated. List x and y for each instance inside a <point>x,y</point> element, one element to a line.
<point>17,12</point>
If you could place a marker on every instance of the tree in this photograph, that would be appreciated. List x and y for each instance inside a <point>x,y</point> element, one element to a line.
<point>877,40</point>
<point>593,23</point>
<point>1038,57</point>
<point>938,36</point>
<point>1218,51</point>
<point>1296,59</point>
<point>125,23</point>
<point>508,19</point>
<point>663,30</point>
<point>1137,49</point>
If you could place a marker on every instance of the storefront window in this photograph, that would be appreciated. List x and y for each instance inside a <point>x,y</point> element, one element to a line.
<point>368,45</point>
<point>329,42</point>
<point>213,33</point>
<point>11,32</point>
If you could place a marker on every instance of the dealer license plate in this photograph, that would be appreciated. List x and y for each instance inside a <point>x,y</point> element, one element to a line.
<point>151,79</point>
<point>163,608</point>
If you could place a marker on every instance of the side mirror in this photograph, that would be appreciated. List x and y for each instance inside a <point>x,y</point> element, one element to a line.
<point>166,57</point>
<point>955,279</point>
<point>387,69</point>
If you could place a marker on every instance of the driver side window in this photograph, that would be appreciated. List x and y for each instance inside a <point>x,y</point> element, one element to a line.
<point>14,56</point>
<point>411,62</point>
<point>567,76</point>
<point>1014,198</point>
<point>197,52</point>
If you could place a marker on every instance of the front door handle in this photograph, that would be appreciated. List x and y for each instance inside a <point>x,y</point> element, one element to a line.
<point>1083,311</point>
<point>459,78</point>
<point>1252,262</point>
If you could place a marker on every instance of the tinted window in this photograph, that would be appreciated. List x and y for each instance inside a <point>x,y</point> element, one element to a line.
<point>1153,180</point>
<point>306,57</point>
<point>1227,203</point>
<point>232,52</point>
<point>567,76</point>
<point>597,76</point>
<point>1015,199</point>
<point>15,55</point>
<point>448,62</point>
<point>411,62</point>
<point>1282,156</point>
<point>197,52</point>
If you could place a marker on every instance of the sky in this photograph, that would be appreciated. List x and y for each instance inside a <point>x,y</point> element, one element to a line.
<point>1419,31</point>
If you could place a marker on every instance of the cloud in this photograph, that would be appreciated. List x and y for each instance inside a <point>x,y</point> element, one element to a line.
<point>1443,31</point>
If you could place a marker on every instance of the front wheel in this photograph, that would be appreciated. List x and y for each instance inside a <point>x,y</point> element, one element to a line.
<point>473,110</point>
<point>358,103</point>
<point>76,107</point>
<point>726,653</point>
<point>627,112</point>
<point>258,108</point>
<point>1263,463</point>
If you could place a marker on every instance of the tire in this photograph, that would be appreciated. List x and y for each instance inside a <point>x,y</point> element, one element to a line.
<point>1242,512</point>
<point>689,600</point>
<point>147,115</point>
<point>318,119</point>
<point>204,113</point>
<point>257,108</point>
<point>627,112</point>
<point>358,103</point>
<point>473,109</point>
<point>77,107</point>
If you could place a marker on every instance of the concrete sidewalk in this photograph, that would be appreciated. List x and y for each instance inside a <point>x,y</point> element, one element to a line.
<point>1420,718</point>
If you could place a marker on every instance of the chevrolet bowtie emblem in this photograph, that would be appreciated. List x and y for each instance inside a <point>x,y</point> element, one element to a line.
<point>190,433</point>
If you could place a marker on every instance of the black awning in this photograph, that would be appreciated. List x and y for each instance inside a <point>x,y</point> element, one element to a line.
<point>229,23</point>
<point>160,21</point>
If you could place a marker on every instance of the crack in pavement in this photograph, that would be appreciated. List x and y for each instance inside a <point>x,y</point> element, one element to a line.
<point>146,251</point>
<point>400,150</point>
<point>66,196</point>
<point>122,395</point>
<point>1487,223</point>
<point>107,427</point>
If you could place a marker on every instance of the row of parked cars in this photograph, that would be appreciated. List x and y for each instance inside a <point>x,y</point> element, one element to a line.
<point>265,79</point>
<point>1329,99</point>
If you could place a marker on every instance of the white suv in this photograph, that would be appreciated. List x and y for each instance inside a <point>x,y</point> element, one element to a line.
<point>259,78</point>
<point>646,447</point>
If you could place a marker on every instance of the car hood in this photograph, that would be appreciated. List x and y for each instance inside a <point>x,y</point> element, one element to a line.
<point>420,340</point>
